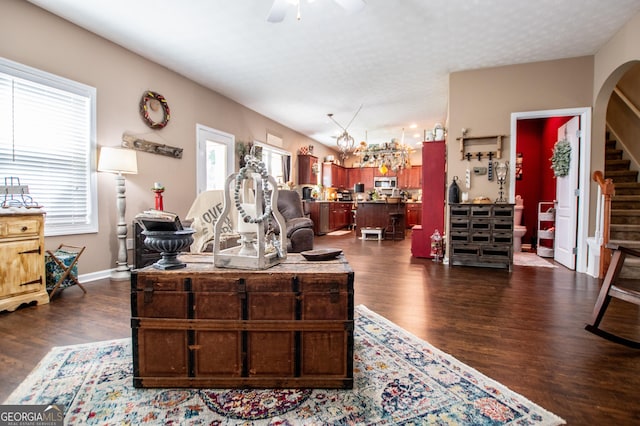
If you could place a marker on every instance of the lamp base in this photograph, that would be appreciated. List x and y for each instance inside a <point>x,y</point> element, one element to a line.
<point>120,275</point>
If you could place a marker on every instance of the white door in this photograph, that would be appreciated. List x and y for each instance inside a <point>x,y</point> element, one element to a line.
<point>567,199</point>
<point>215,158</point>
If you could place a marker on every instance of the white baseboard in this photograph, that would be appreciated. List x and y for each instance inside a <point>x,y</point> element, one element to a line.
<point>95,276</point>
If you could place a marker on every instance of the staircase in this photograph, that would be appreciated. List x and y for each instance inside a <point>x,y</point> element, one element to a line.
<point>625,206</point>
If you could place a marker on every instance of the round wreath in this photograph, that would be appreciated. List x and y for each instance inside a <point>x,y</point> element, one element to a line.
<point>561,158</point>
<point>144,109</point>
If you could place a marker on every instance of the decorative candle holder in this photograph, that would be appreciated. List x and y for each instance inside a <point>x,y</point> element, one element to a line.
<point>158,189</point>
<point>169,244</point>
<point>255,197</point>
<point>248,242</point>
<point>501,170</point>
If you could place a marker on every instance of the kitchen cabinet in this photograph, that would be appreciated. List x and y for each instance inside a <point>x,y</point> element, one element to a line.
<point>334,176</point>
<point>319,214</point>
<point>415,177</point>
<point>354,175</point>
<point>413,214</point>
<point>410,178</point>
<point>306,175</point>
<point>339,215</point>
<point>360,175</point>
<point>328,216</point>
<point>22,265</point>
<point>378,173</point>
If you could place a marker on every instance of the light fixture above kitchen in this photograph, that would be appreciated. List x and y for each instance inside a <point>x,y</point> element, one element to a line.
<point>345,141</point>
<point>394,156</point>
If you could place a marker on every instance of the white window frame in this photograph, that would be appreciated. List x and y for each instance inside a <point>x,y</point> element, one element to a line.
<point>269,149</point>
<point>87,222</point>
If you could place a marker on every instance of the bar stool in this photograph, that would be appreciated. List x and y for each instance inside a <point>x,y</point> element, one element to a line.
<point>396,220</point>
<point>352,225</point>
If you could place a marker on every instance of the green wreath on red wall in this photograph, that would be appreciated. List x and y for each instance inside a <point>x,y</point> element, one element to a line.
<point>150,100</point>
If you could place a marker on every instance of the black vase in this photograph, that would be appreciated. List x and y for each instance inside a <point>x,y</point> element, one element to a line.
<point>454,191</point>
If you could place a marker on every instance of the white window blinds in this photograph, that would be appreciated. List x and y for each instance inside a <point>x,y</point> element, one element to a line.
<point>47,140</point>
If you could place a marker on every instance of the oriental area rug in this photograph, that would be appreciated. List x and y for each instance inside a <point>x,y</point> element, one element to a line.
<point>398,379</point>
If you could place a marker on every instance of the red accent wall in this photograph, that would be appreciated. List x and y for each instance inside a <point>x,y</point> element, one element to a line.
<point>536,138</point>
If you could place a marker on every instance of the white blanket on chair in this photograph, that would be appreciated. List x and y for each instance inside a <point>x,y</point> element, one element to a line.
<point>205,211</point>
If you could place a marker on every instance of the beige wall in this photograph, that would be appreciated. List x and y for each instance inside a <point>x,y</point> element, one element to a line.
<point>622,119</point>
<point>39,39</point>
<point>482,102</point>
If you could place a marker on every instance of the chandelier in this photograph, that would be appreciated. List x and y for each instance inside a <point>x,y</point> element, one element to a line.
<point>345,141</point>
<point>390,156</point>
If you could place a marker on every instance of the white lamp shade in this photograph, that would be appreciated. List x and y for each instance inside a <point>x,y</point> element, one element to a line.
<point>118,160</point>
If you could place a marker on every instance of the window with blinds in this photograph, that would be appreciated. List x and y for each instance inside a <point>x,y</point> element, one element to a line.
<point>48,142</point>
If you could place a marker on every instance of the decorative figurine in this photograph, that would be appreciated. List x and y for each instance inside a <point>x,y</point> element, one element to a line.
<point>255,197</point>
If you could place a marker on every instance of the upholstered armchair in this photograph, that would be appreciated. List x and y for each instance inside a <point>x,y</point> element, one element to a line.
<point>299,227</point>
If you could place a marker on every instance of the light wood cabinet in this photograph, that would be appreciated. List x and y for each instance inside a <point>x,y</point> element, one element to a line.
<point>22,273</point>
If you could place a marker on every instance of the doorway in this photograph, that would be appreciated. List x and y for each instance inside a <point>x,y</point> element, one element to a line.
<point>582,163</point>
<point>215,158</point>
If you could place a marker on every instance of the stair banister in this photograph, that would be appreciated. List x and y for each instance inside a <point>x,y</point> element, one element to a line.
<point>627,102</point>
<point>607,190</point>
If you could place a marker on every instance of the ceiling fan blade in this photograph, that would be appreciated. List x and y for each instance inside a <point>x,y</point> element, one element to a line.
<point>278,11</point>
<point>351,6</point>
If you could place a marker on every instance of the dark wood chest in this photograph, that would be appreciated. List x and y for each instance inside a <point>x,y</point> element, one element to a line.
<point>202,326</point>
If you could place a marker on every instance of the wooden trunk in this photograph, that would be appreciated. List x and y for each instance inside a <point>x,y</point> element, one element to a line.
<point>287,326</point>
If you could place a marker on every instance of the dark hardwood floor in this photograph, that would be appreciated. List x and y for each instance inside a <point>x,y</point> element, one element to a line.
<point>522,328</point>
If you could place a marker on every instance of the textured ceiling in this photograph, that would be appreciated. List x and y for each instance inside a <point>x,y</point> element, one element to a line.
<point>392,57</point>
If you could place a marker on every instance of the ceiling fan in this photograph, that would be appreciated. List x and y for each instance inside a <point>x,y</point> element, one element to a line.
<point>279,8</point>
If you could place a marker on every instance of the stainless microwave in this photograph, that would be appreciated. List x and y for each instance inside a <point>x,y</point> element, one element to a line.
<point>385,182</point>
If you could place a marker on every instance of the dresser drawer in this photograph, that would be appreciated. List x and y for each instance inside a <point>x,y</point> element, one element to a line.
<point>13,228</point>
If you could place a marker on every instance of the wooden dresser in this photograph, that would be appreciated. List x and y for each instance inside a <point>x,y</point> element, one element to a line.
<point>22,272</point>
<point>287,326</point>
<point>481,235</point>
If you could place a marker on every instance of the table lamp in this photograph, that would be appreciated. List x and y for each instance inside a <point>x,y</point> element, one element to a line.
<point>119,161</point>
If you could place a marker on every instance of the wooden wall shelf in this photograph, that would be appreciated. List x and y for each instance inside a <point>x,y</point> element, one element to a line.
<point>467,141</point>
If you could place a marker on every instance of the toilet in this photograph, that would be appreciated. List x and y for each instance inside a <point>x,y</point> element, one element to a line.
<point>518,229</point>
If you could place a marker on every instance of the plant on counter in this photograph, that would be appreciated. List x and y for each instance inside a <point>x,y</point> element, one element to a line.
<point>316,192</point>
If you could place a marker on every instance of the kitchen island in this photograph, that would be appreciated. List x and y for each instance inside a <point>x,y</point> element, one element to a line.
<point>380,214</point>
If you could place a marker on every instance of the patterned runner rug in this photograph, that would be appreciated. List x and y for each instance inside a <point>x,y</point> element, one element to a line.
<point>399,379</point>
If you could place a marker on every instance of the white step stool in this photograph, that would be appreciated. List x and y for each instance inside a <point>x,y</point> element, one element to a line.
<point>376,232</point>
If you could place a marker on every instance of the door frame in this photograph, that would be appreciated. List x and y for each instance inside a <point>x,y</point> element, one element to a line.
<point>204,133</point>
<point>584,170</point>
